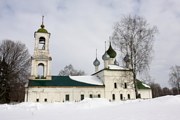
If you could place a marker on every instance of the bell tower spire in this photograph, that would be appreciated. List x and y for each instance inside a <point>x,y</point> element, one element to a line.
<point>41,59</point>
<point>43,20</point>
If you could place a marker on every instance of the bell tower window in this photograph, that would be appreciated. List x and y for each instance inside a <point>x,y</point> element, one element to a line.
<point>41,45</point>
<point>41,71</point>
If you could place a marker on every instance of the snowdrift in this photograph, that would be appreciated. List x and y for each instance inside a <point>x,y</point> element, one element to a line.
<point>162,108</point>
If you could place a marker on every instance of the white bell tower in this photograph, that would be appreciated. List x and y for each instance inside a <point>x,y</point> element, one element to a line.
<point>41,59</point>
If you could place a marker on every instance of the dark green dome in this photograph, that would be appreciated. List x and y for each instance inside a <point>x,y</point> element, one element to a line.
<point>111,52</point>
<point>42,29</point>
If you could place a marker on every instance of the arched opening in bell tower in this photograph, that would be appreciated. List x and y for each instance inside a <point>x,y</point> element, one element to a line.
<point>41,45</point>
<point>41,74</point>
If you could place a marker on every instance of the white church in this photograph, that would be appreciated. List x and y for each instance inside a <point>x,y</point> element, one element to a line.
<point>113,82</point>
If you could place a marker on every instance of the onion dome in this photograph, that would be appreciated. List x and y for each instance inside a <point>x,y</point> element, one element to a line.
<point>42,29</point>
<point>111,52</point>
<point>116,62</point>
<point>105,56</point>
<point>126,58</point>
<point>96,62</point>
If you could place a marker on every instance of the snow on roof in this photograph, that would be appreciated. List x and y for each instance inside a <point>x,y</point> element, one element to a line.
<point>145,85</point>
<point>115,67</point>
<point>87,79</point>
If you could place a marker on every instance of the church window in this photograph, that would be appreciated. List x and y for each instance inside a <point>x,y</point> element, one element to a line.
<point>113,96</point>
<point>90,96</point>
<point>129,96</point>
<point>37,100</point>
<point>125,85</point>
<point>45,100</point>
<point>121,96</point>
<point>41,43</point>
<point>82,97</point>
<point>67,97</point>
<point>115,85</point>
<point>99,96</point>
<point>41,71</point>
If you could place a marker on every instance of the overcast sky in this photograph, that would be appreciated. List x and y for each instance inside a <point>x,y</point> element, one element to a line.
<point>78,27</point>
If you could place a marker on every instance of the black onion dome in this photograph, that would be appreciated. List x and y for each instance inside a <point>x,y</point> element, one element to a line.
<point>96,62</point>
<point>111,52</point>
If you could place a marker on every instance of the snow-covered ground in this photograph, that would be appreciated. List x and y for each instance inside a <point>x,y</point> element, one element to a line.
<point>163,108</point>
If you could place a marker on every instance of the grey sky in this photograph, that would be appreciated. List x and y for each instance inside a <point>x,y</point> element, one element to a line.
<point>78,27</point>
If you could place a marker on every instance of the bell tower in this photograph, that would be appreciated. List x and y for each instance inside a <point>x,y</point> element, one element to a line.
<point>41,59</point>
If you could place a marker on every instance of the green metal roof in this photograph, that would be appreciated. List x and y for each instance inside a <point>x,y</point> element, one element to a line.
<point>141,85</point>
<point>59,81</point>
<point>42,30</point>
<point>67,81</point>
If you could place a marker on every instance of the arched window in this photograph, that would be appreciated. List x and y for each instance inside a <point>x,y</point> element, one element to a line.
<point>121,96</point>
<point>115,85</point>
<point>41,70</point>
<point>99,95</point>
<point>113,96</point>
<point>125,85</point>
<point>82,96</point>
<point>41,43</point>
<point>90,96</point>
<point>129,96</point>
<point>67,97</point>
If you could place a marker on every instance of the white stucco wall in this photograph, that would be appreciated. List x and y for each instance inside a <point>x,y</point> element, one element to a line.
<point>57,94</point>
<point>145,93</point>
<point>120,78</point>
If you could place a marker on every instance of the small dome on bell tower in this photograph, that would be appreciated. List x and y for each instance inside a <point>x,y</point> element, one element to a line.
<point>42,27</point>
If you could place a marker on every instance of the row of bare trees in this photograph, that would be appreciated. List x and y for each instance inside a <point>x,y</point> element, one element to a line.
<point>158,91</point>
<point>70,70</point>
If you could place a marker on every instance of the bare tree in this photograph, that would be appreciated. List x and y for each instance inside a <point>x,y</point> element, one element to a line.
<point>69,70</point>
<point>134,37</point>
<point>174,91</point>
<point>14,69</point>
<point>174,77</point>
